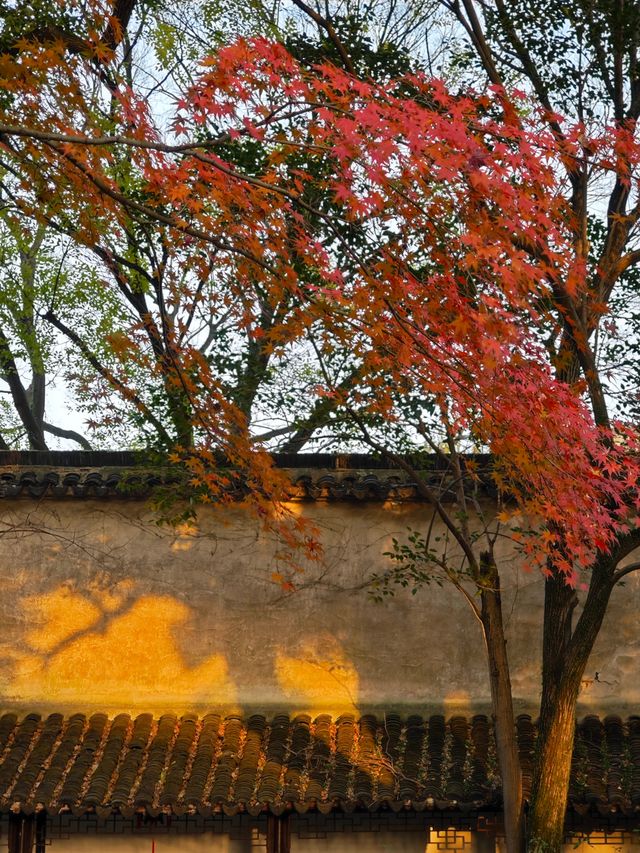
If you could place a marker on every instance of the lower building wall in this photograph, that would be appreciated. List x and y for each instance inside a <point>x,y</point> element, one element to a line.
<point>382,842</point>
<point>363,832</point>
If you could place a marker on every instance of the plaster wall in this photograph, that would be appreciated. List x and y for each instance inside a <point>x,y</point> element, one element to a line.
<point>101,608</point>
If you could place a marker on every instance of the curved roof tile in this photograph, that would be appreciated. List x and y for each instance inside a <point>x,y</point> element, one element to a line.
<point>235,764</point>
<point>107,474</point>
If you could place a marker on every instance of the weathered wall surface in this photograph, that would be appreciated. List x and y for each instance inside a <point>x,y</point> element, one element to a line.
<point>101,608</point>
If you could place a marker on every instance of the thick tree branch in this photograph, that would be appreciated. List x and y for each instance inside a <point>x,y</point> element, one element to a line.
<point>474,29</point>
<point>603,579</point>
<point>11,376</point>
<point>118,23</point>
<point>626,261</point>
<point>71,434</point>
<point>626,570</point>
<point>326,25</point>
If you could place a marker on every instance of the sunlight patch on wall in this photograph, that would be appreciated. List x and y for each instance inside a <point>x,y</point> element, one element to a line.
<point>319,678</point>
<point>58,615</point>
<point>458,702</point>
<point>132,661</point>
<point>186,533</point>
<point>113,597</point>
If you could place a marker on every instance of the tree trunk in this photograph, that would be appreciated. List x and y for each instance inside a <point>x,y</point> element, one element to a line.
<point>565,656</point>
<point>504,722</point>
<point>9,372</point>
<point>556,726</point>
<point>552,772</point>
<point>181,414</point>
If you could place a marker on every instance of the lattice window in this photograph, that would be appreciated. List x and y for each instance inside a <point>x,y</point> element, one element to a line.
<point>449,840</point>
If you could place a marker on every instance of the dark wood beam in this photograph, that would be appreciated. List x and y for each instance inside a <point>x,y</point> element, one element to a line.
<point>278,834</point>
<point>21,833</point>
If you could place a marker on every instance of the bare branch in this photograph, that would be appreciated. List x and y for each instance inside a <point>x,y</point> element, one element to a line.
<point>71,434</point>
<point>626,570</point>
<point>326,25</point>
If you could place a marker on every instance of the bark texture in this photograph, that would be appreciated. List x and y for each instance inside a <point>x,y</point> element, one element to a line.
<point>566,652</point>
<point>504,721</point>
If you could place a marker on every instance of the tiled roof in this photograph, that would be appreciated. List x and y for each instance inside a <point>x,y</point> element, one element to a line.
<point>231,764</point>
<point>104,474</point>
<point>135,485</point>
<point>78,484</point>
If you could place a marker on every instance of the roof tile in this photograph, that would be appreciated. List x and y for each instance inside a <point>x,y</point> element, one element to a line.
<point>122,475</point>
<point>41,750</point>
<point>156,759</point>
<point>106,768</point>
<point>179,760</point>
<point>133,759</point>
<point>633,728</point>
<point>65,765</point>
<point>23,741</point>
<point>233,763</point>
<point>203,762</point>
<point>478,780</point>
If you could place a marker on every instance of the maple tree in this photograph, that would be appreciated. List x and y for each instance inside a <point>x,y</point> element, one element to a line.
<point>426,235</point>
<point>578,60</point>
<point>40,266</point>
<point>129,257</point>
